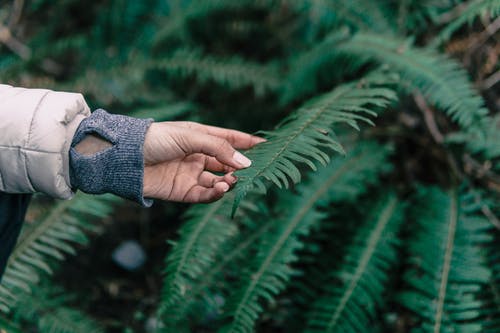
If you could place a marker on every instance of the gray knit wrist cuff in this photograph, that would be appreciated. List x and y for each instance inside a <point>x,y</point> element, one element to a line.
<point>118,169</point>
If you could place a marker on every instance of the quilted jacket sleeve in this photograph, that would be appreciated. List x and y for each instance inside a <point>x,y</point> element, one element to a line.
<point>36,130</point>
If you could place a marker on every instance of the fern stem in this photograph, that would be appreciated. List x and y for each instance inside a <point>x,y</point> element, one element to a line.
<point>384,218</point>
<point>453,219</point>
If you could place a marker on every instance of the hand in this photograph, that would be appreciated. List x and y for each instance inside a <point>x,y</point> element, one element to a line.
<point>180,157</point>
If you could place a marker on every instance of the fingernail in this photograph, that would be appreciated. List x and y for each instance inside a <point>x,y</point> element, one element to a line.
<point>258,139</point>
<point>241,159</point>
<point>225,187</point>
<point>234,179</point>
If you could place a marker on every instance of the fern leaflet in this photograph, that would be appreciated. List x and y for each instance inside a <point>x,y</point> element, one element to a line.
<point>447,266</point>
<point>350,301</point>
<point>49,239</point>
<point>48,308</point>
<point>474,9</point>
<point>202,236</point>
<point>304,136</point>
<point>232,73</point>
<point>343,179</point>
<point>440,79</point>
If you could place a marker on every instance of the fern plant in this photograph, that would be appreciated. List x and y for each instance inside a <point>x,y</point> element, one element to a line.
<point>452,271</point>
<point>373,204</point>
<point>357,288</point>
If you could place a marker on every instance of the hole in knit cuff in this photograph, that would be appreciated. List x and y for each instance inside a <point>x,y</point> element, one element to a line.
<point>92,143</point>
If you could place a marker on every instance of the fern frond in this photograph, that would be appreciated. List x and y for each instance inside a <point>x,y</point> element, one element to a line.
<point>447,267</point>
<point>8,327</point>
<point>205,229</point>
<point>350,301</point>
<point>270,271</point>
<point>414,16</point>
<point>174,24</point>
<point>482,140</point>
<point>491,297</point>
<point>231,73</point>
<point>47,308</point>
<point>306,136</point>
<point>474,9</point>
<point>371,160</point>
<point>50,239</point>
<point>440,78</point>
<point>305,67</point>
<point>359,14</point>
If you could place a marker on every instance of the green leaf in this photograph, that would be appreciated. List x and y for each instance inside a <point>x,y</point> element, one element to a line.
<point>473,9</point>
<point>442,80</point>
<point>231,72</point>
<point>447,268</point>
<point>306,136</point>
<point>49,239</point>
<point>356,289</point>
<point>270,270</point>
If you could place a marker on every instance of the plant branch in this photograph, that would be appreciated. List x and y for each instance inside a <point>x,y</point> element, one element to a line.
<point>491,80</point>
<point>13,43</point>
<point>15,15</point>
<point>429,119</point>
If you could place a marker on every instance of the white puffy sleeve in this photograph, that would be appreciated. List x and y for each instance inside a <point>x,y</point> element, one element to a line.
<point>36,130</point>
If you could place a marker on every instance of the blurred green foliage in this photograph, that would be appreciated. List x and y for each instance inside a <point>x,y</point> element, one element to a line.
<point>393,227</point>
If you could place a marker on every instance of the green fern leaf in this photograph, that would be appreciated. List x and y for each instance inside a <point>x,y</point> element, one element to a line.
<point>482,140</point>
<point>440,79</point>
<point>232,73</point>
<point>47,307</point>
<point>304,67</point>
<point>305,136</point>
<point>344,179</point>
<point>349,303</point>
<point>8,327</point>
<point>447,266</point>
<point>359,14</point>
<point>49,239</point>
<point>492,297</point>
<point>175,24</point>
<point>475,8</point>
<point>206,228</point>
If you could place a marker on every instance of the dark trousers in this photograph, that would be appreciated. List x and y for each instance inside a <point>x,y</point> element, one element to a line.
<point>12,210</point>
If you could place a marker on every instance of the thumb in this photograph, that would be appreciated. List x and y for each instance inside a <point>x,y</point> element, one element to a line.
<point>221,149</point>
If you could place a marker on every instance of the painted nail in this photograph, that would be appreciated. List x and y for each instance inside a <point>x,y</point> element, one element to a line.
<point>241,159</point>
<point>225,187</point>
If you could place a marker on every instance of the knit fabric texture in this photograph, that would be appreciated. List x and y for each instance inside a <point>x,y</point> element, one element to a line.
<point>118,169</point>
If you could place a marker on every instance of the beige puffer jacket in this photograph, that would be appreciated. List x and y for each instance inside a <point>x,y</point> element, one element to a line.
<point>36,130</point>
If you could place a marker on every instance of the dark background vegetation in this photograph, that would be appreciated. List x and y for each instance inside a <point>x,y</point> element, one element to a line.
<point>248,65</point>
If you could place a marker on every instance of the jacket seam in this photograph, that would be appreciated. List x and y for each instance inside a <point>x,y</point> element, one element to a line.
<point>28,142</point>
<point>24,149</point>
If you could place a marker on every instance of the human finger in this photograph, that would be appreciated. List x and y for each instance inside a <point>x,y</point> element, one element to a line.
<point>230,178</point>
<point>193,142</point>
<point>208,179</point>
<point>211,164</point>
<point>238,139</point>
<point>201,194</point>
